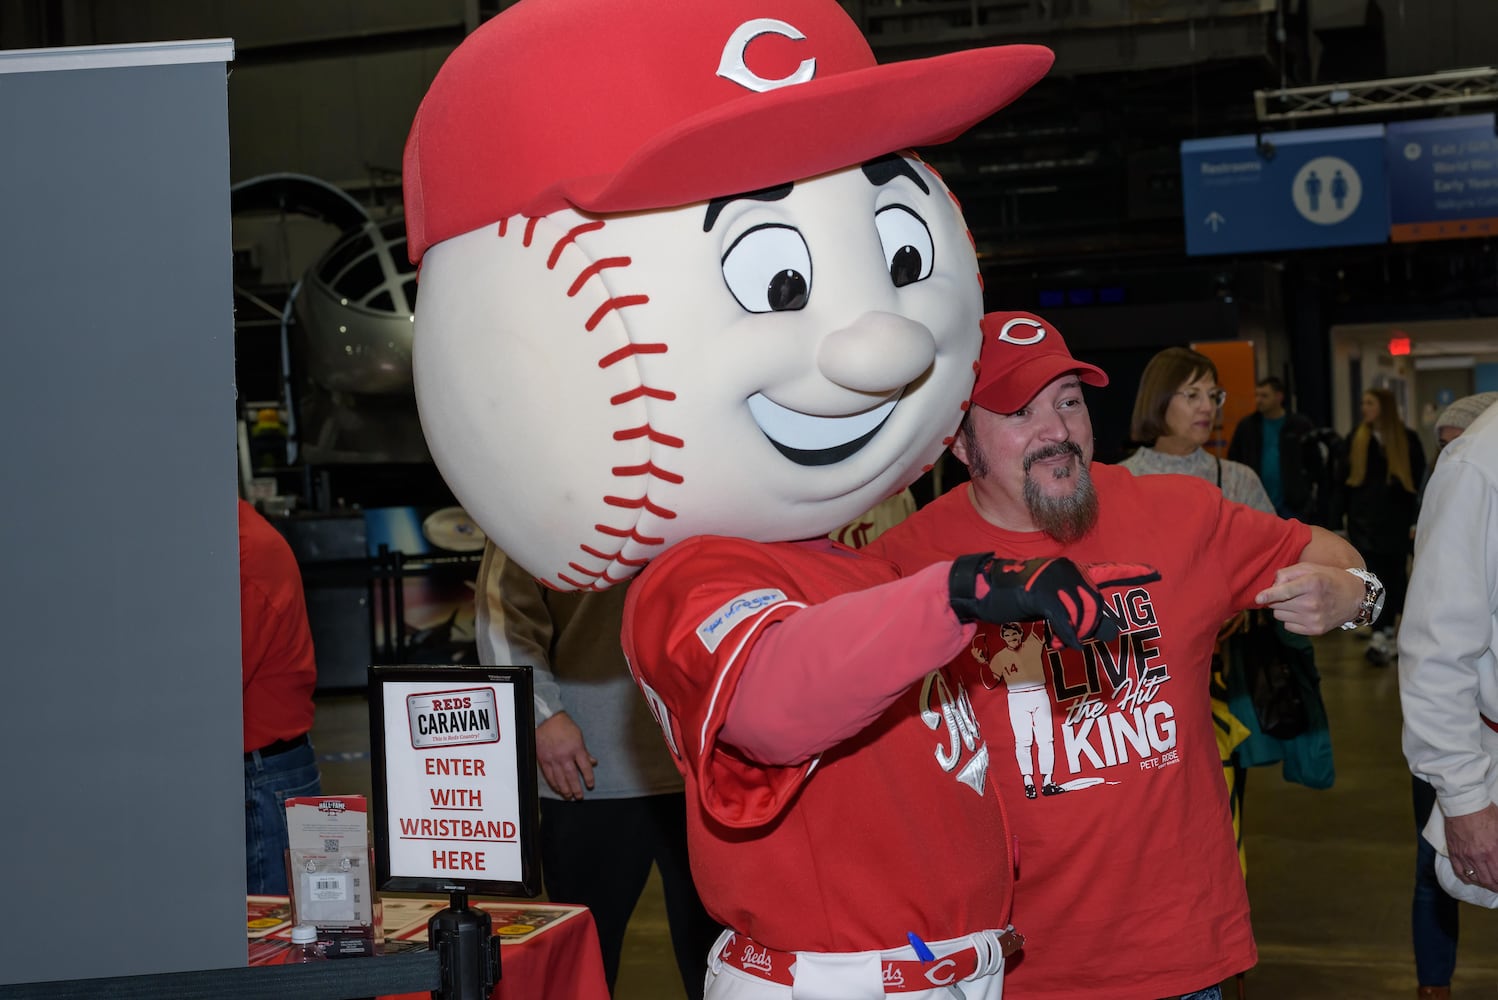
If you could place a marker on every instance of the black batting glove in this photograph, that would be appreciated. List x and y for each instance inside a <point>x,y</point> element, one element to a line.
<point>1066,595</point>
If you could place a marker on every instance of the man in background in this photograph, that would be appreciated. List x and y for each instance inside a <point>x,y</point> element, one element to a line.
<point>1273,442</point>
<point>1453,421</point>
<point>280,673</point>
<point>612,801</point>
<point>1448,682</point>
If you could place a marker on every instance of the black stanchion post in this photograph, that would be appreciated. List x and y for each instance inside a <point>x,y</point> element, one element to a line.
<point>467,950</point>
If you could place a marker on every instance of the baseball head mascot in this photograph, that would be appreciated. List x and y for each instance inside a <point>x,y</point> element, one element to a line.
<point>684,301</point>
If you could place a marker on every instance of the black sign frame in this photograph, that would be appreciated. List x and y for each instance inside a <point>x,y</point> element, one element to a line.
<point>523,725</point>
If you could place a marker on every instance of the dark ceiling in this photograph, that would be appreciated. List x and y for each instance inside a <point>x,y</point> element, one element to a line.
<point>1074,191</point>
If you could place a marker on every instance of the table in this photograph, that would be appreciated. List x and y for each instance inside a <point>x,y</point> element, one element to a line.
<point>547,950</point>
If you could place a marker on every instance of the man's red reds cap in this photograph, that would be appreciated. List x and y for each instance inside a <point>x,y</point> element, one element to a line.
<point>1021,355</point>
<point>629,105</point>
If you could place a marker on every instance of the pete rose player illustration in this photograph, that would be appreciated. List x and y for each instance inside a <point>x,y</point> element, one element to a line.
<point>1020,666</point>
<point>683,302</point>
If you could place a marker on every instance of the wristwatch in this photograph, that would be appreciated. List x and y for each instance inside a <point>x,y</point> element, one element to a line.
<point>1373,599</point>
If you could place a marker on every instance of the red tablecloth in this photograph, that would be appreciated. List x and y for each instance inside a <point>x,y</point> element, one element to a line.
<point>548,952</point>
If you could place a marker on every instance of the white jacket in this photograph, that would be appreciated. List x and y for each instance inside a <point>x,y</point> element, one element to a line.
<point>1447,669</point>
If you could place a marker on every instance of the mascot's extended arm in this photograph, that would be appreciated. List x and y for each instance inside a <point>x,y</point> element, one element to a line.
<point>849,658</point>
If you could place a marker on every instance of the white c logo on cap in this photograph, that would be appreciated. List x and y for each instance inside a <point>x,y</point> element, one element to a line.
<point>731,66</point>
<point>1034,338</point>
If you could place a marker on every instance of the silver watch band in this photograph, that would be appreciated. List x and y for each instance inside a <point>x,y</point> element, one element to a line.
<point>1373,599</point>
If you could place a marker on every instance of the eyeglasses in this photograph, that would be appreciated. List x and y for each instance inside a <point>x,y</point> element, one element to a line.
<point>1193,396</point>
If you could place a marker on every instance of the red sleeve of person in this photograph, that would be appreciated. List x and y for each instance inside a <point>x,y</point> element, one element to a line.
<point>280,671</point>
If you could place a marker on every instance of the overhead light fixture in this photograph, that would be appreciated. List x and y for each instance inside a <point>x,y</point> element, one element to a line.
<point>1445,362</point>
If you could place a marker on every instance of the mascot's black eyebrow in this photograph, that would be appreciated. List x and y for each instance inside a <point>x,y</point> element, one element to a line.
<point>887,168</point>
<point>716,206</point>
<point>880,171</point>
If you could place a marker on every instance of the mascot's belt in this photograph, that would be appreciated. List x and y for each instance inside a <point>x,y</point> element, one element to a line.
<point>908,976</point>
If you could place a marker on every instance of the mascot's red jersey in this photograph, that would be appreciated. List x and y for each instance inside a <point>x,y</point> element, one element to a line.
<point>848,851</point>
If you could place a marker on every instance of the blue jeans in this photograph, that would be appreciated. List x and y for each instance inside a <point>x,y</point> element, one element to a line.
<point>1210,993</point>
<point>268,783</point>
<point>1433,913</point>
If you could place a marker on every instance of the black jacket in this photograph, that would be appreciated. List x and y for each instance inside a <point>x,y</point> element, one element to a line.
<point>1302,471</point>
<point>1381,511</point>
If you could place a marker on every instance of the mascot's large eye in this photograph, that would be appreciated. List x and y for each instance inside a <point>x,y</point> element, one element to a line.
<point>907,244</point>
<point>768,269</point>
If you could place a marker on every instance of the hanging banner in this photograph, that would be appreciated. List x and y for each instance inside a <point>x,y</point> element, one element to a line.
<point>1443,178</point>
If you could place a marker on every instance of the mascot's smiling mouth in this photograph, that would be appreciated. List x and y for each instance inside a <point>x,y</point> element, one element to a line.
<point>810,440</point>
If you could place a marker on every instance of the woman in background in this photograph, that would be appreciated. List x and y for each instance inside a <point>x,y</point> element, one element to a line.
<point>1175,414</point>
<point>1385,466</point>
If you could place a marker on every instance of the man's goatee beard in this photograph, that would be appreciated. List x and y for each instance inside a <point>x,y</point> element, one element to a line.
<point>1065,518</point>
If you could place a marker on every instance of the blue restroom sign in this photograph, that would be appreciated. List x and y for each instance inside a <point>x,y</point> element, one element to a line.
<point>1285,191</point>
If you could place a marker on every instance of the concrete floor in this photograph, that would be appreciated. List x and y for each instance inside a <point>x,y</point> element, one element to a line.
<point>1329,871</point>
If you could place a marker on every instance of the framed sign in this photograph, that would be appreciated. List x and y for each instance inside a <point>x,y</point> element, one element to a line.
<point>454,773</point>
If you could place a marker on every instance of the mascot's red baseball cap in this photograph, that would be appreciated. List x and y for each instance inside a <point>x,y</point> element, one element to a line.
<point>629,105</point>
<point>1021,355</point>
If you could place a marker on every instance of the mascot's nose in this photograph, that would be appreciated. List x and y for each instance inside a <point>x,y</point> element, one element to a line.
<point>879,352</point>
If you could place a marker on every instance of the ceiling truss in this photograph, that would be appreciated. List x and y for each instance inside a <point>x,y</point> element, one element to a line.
<point>1435,90</point>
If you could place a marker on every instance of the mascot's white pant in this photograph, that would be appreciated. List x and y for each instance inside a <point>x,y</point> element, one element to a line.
<point>965,968</point>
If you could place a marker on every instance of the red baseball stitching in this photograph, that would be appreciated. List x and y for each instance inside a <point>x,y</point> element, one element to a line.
<point>594,268</point>
<point>642,390</point>
<point>611,580</point>
<point>648,469</point>
<point>594,587</point>
<point>603,575</point>
<point>646,431</point>
<point>591,579</point>
<point>636,563</point>
<point>629,535</point>
<point>568,239</point>
<point>640,503</point>
<point>612,304</point>
<point>629,351</point>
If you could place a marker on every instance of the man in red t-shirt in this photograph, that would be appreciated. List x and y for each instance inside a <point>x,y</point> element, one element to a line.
<point>280,673</point>
<point>1128,884</point>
